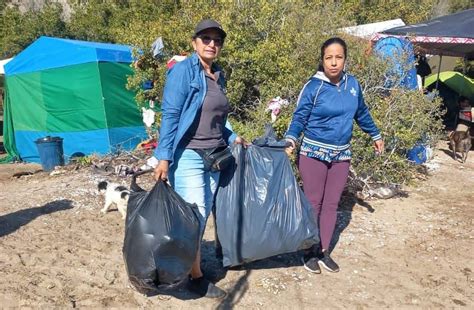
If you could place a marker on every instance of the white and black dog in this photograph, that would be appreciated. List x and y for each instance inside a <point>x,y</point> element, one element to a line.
<point>114,193</point>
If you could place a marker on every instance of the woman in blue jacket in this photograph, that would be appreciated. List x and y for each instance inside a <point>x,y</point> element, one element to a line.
<point>194,119</point>
<point>326,108</point>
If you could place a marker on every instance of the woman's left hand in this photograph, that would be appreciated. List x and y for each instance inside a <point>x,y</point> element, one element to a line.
<point>379,146</point>
<point>240,140</point>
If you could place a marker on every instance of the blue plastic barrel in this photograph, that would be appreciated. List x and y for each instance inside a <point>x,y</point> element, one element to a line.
<point>50,151</point>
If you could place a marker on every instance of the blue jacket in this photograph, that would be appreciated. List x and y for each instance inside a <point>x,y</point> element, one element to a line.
<point>325,113</point>
<point>183,95</point>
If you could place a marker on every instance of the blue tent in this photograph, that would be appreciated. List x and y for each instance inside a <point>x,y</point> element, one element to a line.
<point>47,53</point>
<point>74,90</point>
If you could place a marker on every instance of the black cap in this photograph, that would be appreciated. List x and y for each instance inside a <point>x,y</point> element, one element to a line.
<point>209,24</point>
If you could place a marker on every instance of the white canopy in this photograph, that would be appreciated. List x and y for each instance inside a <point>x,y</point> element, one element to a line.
<point>2,63</point>
<point>367,30</point>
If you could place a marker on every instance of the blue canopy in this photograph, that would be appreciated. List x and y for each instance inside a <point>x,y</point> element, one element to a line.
<point>449,35</point>
<point>48,53</point>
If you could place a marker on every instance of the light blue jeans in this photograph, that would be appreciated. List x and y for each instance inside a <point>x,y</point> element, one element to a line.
<point>194,184</point>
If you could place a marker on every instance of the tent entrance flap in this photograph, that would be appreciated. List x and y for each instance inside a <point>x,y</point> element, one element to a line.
<point>8,131</point>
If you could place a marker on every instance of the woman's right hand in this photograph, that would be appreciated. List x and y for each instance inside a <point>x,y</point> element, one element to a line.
<point>289,149</point>
<point>161,170</point>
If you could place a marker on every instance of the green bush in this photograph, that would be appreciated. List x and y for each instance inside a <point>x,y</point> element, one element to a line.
<point>272,48</point>
<point>404,118</point>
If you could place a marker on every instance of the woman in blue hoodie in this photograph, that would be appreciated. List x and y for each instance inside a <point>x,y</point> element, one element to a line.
<point>326,108</point>
<point>194,120</point>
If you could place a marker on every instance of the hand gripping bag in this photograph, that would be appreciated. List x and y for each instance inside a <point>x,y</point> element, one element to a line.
<point>161,238</point>
<point>260,209</point>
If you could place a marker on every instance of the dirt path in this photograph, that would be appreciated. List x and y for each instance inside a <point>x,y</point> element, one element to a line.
<point>56,249</point>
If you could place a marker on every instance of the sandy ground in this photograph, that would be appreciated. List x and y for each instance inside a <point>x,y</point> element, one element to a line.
<point>57,250</point>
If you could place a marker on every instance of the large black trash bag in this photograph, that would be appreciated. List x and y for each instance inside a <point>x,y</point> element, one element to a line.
<point>161,238</point>
<point>260,209</point>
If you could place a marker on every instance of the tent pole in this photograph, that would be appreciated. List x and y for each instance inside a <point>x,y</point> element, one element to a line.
<point>439,69</point>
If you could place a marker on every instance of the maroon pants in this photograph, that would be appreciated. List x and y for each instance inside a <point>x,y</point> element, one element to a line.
<point>323,184</point>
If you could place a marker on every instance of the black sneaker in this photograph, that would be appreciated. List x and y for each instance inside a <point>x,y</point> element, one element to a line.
<point>310,263</point>
<point>327,262</point>
<point>205,288</point>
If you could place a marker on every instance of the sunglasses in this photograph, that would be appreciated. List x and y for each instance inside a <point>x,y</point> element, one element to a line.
<point>207,40</point>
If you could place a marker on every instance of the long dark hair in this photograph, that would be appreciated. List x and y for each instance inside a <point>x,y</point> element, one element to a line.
<point>333,40</point>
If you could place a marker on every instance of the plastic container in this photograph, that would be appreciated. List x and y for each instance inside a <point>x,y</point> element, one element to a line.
<point>417,154</point>
<point>50,151</point>
<point>466,114</point>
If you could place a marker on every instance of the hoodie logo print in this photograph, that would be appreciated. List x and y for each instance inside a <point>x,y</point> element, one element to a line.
<point>353,91</point>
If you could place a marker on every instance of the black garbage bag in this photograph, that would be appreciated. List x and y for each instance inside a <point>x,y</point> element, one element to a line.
<point>161,238</point>
<point>260,209</point>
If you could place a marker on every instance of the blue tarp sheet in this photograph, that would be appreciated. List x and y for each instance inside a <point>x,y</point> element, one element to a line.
<point>399,54</point>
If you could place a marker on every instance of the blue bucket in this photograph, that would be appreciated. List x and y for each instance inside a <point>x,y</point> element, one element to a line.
<point>50,151</point>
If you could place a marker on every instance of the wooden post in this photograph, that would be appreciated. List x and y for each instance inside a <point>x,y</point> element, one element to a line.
<point>439,69</point>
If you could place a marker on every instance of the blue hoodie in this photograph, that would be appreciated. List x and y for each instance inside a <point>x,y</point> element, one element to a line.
<point>325,113</point>
<point>183,95</point>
